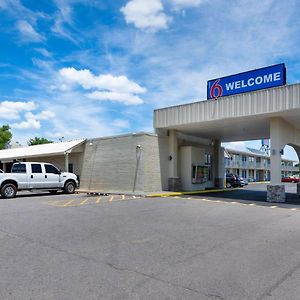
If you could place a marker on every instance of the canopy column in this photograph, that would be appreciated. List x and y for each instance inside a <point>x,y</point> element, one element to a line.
<point>281,134</point>
<point>218,164</point>
<point>174,183</point>
<point>67,162</point>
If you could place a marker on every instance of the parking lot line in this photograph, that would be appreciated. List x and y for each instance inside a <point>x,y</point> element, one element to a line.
<point>91,200</point>
<point>68,203</point>
<point>84,201</point>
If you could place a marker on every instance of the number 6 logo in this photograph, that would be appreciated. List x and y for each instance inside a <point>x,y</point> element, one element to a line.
<point>216,90</point>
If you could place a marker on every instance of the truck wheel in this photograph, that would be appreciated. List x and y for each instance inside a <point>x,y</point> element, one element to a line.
<point>69,187</point>
<point>8,190</point>
<point>228,185</point>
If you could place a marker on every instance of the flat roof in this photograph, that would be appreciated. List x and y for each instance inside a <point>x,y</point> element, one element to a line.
<point>250,153</point>
<point>234,118</point>
<point>50,149</point>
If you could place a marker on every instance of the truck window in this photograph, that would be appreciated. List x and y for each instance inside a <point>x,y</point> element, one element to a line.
<point>18,168</point>
<point>36,168</point>
<point>51,169</point>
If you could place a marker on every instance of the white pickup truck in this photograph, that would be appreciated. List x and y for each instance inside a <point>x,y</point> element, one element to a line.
<point>35,175</point>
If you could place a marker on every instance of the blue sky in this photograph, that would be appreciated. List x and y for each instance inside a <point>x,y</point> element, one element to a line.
<point>94,68</point>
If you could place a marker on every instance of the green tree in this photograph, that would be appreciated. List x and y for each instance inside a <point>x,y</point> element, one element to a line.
<point>5,136</point>
<point>38,141</point>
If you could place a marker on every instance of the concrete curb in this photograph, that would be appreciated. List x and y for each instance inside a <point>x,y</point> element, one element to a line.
<point>103,193</point>
<point>170,194</point>
<point>259,182</point>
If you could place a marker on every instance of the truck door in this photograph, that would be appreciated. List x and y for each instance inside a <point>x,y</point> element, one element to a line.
<point>53,176</point>
<point>36,177</point>
<point>21,174</point>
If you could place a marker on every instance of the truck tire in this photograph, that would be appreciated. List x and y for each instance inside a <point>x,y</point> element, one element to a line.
<point>8,190</point>
<point>69,187</point>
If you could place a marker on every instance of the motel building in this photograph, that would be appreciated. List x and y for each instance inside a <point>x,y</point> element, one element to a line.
<point>255,165</point>
<point>185,153</point>
<point>260,106</point>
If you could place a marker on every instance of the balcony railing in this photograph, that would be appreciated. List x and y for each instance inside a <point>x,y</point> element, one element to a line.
<point>255,165</point>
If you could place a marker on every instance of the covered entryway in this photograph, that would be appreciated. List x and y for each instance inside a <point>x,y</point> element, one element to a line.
<point>271,113</point>
<point>67,156</point>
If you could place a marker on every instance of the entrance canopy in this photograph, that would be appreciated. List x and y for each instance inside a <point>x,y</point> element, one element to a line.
<point>43,150</point>
<point>235,118</point>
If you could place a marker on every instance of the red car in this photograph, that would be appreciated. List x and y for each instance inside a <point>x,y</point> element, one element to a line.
<point>290,179</point>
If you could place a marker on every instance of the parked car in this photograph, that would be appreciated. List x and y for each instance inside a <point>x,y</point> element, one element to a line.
<point>290,179</point>
<point>35,175</point>
<point>244,181</point>
<point>250,179</point>
<point>233,180</point>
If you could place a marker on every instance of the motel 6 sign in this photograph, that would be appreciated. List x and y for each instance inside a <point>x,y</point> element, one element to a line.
<point>258,79</point>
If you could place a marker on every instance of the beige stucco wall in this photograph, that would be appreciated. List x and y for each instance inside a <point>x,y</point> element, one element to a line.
<point>188,156</point>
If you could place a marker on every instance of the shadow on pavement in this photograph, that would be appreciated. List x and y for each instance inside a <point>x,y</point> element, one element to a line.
<point>37,194</point>
<point>250,195</point>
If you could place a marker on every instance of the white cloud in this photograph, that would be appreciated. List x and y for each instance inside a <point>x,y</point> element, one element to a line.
<point>44,52</point>
<point>121,123</point>
<point>62,19</point>
<point>241,146</point>
<point>186,3</point>
<point>28,32</point>
<point>87,80</point>
<point>33,120</point>
<point>108,87</point>
<point>64,25</point>
<point>17,10</point>
<point>127,99</point>
<point>10,110</point>
<point>145,14</point>
<point>28,124</point>
<point>44,115</point>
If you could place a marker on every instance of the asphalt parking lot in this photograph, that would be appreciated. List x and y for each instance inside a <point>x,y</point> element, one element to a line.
<point>255,192</point>
<point>124,247</point>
